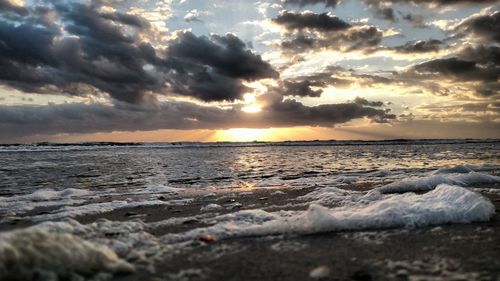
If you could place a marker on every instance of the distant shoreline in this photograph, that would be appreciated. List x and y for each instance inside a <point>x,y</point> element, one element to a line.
<point>89,146</point>
<point>261,143</point>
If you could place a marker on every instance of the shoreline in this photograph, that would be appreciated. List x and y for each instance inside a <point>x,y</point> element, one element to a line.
<point>444,252</point>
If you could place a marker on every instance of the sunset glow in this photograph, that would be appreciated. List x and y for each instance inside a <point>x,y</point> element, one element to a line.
<point>239,134</point>
<point>355,69</point>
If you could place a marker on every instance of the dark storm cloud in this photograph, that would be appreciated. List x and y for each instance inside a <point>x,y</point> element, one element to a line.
<point>213,68</point>
<point>430,2</point>
<point>415,20</point>
<point>312,21</point>
<point>28,120</point>
<point>484,27</point>
<point>366,38</point>
<point>489,90</point>
<point>308,30</point>
<point>104,52</point>
<point>126,19</point>
<point>302,88</point>
<point>488,55</point>
<point>35,57</point>
<point>360,37</point>
<point>332,77</point>
<point>293,113</point>
<point>480,64</point>
<point>455,68</point>
<point>302,3</point>
<point>299,43</point>
<point>432,45</point>
<point>383,8</point>
<point>225,54</point>
<point>488,59</point>
<point>27,44</point>
<point>458,69</point>
<point>363,101</point>
<point>386,13</point>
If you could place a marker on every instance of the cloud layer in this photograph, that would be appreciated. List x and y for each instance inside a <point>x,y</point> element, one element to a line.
<point>109,52</point>
<point>120,65</point>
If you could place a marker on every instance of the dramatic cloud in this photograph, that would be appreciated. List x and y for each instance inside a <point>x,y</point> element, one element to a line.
<point>480,64</point>
<point>25,120</point>
<point>312,21</point>
<point>212,68</point>
<point>383,8</point>
<point>363,101</point>
<point>430,2</point>
<point>357,37</point>
<point>386,13</point>
<point>123,65</point>
<point>415,20</point>
<point>332,77</point>
<point>484,27</point>
<point>420,46</point>
<point>302,88</point>
<point>104,51</point>
<point>314,31</point>
<point>456,69</point>
<point>302,3</point>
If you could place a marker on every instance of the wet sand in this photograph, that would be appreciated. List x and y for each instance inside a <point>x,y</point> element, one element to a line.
<point>446,252</point>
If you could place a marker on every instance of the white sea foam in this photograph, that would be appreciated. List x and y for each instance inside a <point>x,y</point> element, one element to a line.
<point>115,244</point>
<point>42,198</point>
<point>211,207</point>
<point>47,194</point>
<point>441,177</point>
<point>154,189</point>
<point>105,207</point>
<point>467,169</point>
<point>35,253</point>
<point>444,204</point>
<point>331,196</point>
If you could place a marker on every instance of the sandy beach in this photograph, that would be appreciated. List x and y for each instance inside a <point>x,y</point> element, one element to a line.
<point>444,252</point>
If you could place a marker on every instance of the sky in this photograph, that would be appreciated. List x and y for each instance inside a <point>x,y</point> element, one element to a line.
<point>239,70</point>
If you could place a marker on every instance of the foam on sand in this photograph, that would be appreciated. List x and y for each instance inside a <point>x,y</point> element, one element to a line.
<point>105,207</point>
<point>47,194</point>
<point>155,189</point>
<point>439,177</point>
<point>34,253</point>
<point>331,196</point>
<point>444,204</point>
<point>45,197</point>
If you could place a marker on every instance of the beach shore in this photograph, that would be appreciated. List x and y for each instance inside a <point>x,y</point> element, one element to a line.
<point>445,252</point>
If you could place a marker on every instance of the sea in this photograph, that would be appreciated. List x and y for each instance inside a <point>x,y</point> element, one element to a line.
<point>125,206</point>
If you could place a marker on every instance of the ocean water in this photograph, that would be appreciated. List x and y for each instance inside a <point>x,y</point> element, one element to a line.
<point>73,196</point>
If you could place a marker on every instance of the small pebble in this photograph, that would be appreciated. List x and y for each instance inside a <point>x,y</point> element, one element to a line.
<point>320,272</point>
<point>437,229</point>
<point>402,273</point>
<point>207,238</point>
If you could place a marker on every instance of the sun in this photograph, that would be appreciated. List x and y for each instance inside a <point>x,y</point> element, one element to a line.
<point>242,134</point>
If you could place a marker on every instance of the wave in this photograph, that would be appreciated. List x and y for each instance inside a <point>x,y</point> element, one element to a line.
<point>47,147</point>
<point>444,204</point>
